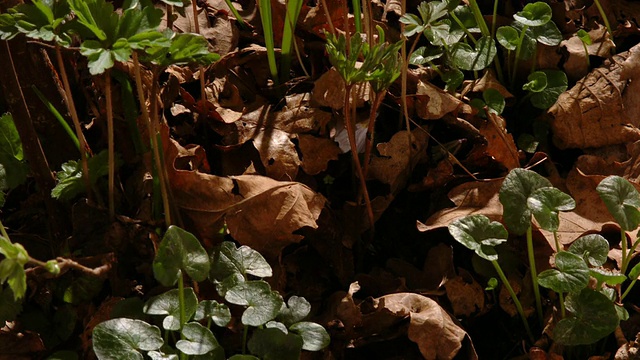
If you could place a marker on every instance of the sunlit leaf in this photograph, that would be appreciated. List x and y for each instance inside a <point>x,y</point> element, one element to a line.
<point>262,303</point>
<point>534,14</point>
<point>479,234</point>
<point>593,317</point>
<point>180,251</point>
<point>546,204</point>
<point>168,304</point>
<point>572,274</point>
<point>516,188</point>
<point>124,338</point>
<point>593,248</point>
<point>622,201</point>
<point>467,58</point>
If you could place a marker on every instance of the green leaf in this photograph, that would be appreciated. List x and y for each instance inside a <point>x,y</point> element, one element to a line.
<point>11,307</point>
<point>98,17</point>
<point>594,317</point>
<point>571,275</point>
<point>528,143</point>
<point>158,355</point>
<point>622,201</point>
<point>508,37</point>
<point>262,303</point>
<point>296,309</point>
<point>412,24</point>
<point>453,78</point>
<point>556,84</point>
<point>42,20</point>
<point>12,267</point>
<point>492,284</point>
<point>219,313</point>
<point>273,344</point>
<point>516,189</point>
<point>546,204</point>
<point>199,341</point>
<point>467,58</point>
<point>11,154</point>
<point>81,288</point>
<point>584,36</point>
<point>425,54</point>
<point>535,14</point>
<point>100,59</point>
<point>8,28</point>
<point>536,82</point>
<point>229,261</point>
<point>494,100</point>
<point>547,34</point>
<point>180,251</point>
<point>169,304</point>
<point>479,234</point>
<point>277,325</point>
<point>635,272</point>
<point>243,357</point>
<point>52,267</point>
<point>593,248</point>
<point>314,336</point>
<point>182,49</point>
<point>607,276</point>
<point>70,183</point>
<point>123,339</point>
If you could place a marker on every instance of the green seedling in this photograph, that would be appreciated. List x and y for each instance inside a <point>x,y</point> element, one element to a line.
<point>492,99</point>
<point>622,200</point>
<point>545,87</point>
<point>70,177</point>
<point>236,14</point>
<point>478,233</point>
<point>586,40</point>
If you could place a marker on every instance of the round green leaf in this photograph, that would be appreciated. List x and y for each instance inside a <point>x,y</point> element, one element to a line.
<point>536,82</point>
<point>296,310</point>
<point>528,143</point>
<point>594,317</point>
<point>593,248</point>
<point>277,325</point>
<point>622,201</point>
<point>572,274</point>
<point>556,84</point>
<point>545,205</point>
<point>535,14</point>
<point>52,267</point>
<point>584,36</point>
<point>180,251</point>
<point>273,344</point>
<point>124,338</point>
<point>453,78</point>
<point>547,34</point>
<point>467,58</point>
<point>424,54</point>
<point>157,355</point>
<point>607,276</point>
<point>508,37</point>
<point>314,336</point>
<point>228,260</point>
<point>492,284</point>
<point>494,100</point>
<point>169,304</point>
<point>479,234</point>
<point>516,188</point>
<point>199,341</point>
<point>263,304</point>
<point>219,313</point>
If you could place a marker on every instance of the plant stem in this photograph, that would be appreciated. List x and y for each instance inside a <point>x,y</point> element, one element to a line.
<point>630,253</point>
<point>623,244</point>
<point>110,145</point>
<point>604,18</point>
<point>52,109</point>
<point>515,60</point>
<point>183,311</point>
<point>245,333</point>
<point>626,292</point>
<point>479,17</point>
<point>3,231</point>
<point>235,13</point>
<point>512,293</point>
<point>534,273</point>
<point>494,18</point>
<point>377,100</point>
<point>555,237</point>
<point>357,13</point>
<point>264,6</point>
<point>562,309</point>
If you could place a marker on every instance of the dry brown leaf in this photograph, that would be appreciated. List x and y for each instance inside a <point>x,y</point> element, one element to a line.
<point>500,144</point>
<point>438,266</point>
<point>465,294</point>
<point>431,327</point>
<point>601,109</point>
<point>487,81</point>
<point>575,65</point>
<point>316,153</point>
<point>329,91</point>
<point>433,103</point>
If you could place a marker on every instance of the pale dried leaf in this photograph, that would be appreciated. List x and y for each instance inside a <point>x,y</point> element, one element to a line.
<point>329,91</point>
<point>316,153</point>
<point>433,103</point>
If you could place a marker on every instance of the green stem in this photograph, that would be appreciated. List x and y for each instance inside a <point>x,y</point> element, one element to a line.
<point>512,293</point>
<point>357,13</point>
<point>245,333</point>
<point>626,292</point>
<point>264,6</point>
<point>235,13</point>
<point>630,252</point>
<point>623,244</point>
<point>555,237</point>
<point>562,309</point>
<point>110,146</point>
<point>518,49</point>
<point>3,231</point>
<point>52,109</point>
<point>586,55</point>
<point>494,18</point>
<point>377,100</point>
<point>457,20</point>
<point>534,273</point>
<point>183,311</point>
<point>604,18</point>
<point>479,17</point>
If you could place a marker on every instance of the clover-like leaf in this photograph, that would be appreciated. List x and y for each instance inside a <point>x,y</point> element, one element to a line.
<point>168,304</point>
<point>536,82</point>
<point>516,188</point>
<point>546,204</point>
<point>593,248</point>
<point>534,14</point>
<point>124,338</point>
<point>479,234</point>
<point>314,336</point>
<point>219,313</point>
<point>572,274</point>
<point>467,58</point>
<point>180,251</point>
<point>622,201</point>
<point>271,343</point>
<point>263,304</point>
<point>508,37</point>
<point>228,261</point>
<point>594,317</point>
<point>556,84</point>
<point>12,267</point>
<point>296,309</point>
<point>608,277</point>
<point>199,340</point>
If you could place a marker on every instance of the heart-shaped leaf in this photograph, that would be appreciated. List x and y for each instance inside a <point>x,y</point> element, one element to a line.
<point>556,84</point>
<point>296,310</point>
<point>547,34</point>
<point>123,338</point>
<point>168,304</point>
<point>536,82</point>
<point>594,317</point>
<point>229,261</point>
<point>314,336</point>
<point>572,274</point>
<point>262,303</point>
<point>479,234</point>
<point>424,54</point>
<point>607,276</point>
<point>535,14</point>
<point>622,201</point>
<point>180,251</point>
<point>546,204</point>
<point>274,344</point>
<point>219,313</point>
<point>508,37</point>
<point>453,78</point>
<point>516,188</point>
<point>467,58</point>
<point>593,248</point>
<point>200,341</point>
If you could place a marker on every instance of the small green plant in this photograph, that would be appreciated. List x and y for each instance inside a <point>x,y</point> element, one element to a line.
<point>13,167</point>
<point>272,328</point>
<point>585,38</point>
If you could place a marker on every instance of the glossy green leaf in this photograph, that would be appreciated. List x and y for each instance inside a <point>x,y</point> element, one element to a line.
<point>412,24</point>
<point>556,84</point>
<point>607,276</point>
<point>199,340</point>
<point>296,310</point>
<point>584,36</point>
<point>534,14</point>
<point>277,325</point>
<point>453,78</point>
<point>98,17</point>
<point>572,274</point>
<point>168,304</point>
<point>262,303</point>
<point>593,248</point>
<point>228,261</point>
<point>183,48</point>
<point>593,317</point>
<point>273,344</point>
<point>634,273</point>
<point>467,58</point>
<point>494,100</point>
<point>508,37</point>
<point>219,313</point>
<point>314,336</point>
<point>479,234</point>
<point>528,143</point>
<point>547,34</point>
<point>622,201</point>
<point>70,183</point>
<point>425,54</point>
<point>42,19</point>
<point>11,154</point>
<point>516,188</point>
<point>123,338</point>
<point>536,82</point>
<point>12,267</point>
<point>160,355</point>
<point>180,251</point>
<point>546,204</point>
<point>8,28</point>
<point>492,284</point>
